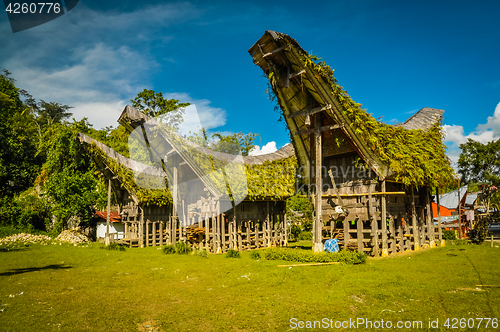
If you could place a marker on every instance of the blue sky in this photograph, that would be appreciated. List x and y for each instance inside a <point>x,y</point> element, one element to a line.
<point>394,57</point>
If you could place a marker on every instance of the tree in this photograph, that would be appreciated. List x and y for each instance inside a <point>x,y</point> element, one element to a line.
<point>234,143</point>
<point>480,163</point>
<point>154,104</point>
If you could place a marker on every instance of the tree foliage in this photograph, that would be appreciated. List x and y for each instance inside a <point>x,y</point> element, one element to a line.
<point>153,104</point>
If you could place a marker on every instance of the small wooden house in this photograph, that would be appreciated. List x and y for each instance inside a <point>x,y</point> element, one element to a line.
<point>368,180</point>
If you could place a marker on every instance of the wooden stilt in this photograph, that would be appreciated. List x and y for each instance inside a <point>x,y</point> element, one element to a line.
<point>385,251</point>
<point>429,219</point>
<point>374,223</point>
<point>440,226</point>
<point>256,229</point>
<point>416,233</point>
<point>153,225</point>
<point>360,236</point>
<point>161,232</point>
<point>318,220</point>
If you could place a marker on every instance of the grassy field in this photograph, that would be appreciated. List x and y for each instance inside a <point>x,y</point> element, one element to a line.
<point>68,288</point>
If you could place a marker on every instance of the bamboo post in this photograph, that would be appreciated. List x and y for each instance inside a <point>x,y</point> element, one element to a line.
<point>235,242</point>
<point>360,236</point>
<point>147,233</point>
<point>385,251</point>
<point>347,235</point>
<point>416,233</point>
<point>240,241</point>
<point>440,226</point>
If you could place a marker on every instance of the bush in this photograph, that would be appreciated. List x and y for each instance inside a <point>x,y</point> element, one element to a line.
<point>169,249</point>
<point>294,232</point>
<point>305,236</point>
<point>115,246</point>
<point>480,232</point>
<point>182,248</point>
<point>255,255</point>
<point>449,235</point>
<point>231,253</point>
<point>202,253</point>
<point>302,256</point>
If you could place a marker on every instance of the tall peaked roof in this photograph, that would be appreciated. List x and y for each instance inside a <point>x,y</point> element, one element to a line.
<point>412,153</point>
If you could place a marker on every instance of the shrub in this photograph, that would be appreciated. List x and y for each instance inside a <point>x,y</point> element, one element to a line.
<point>305,236</point>
<point>294,232</point>
<point>480,232</point>
<point>169,249</point>
<point>449,235</point>
<point>231,253</point>
<point>115,246</point>
<point>255,255</point>
<point>182,248</point>
<point>302,256</point>
<point>202,253</point>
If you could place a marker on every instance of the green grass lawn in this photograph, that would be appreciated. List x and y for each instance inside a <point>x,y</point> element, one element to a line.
<point>68,288</point>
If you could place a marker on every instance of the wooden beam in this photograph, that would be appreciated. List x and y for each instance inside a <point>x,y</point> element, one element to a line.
<point>272,52</point>
<point>440,229</point>
<point>335,191</point>
<point>363,194</point>
<point>292,75</point>
<point>314,130</point>
<point>318,227</point>
<point>310,111</point>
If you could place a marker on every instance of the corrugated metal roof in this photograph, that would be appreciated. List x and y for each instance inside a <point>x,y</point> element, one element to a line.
<point>450,200</point>
<point>471,198</point>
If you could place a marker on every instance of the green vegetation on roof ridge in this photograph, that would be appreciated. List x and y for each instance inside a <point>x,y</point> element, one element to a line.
<point>125,175</point>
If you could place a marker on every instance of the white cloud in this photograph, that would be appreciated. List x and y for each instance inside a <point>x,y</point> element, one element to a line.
<point>198,114</point>
<point>483,133</point>
<point>99,114</point>
<point>92,60</point>
<point>268,148</point>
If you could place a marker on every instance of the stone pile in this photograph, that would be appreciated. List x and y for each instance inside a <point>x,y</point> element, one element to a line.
<point>72,236</point>
<point>24,238</point>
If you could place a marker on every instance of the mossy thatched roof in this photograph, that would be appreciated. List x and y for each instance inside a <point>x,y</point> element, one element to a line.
<point>412,153</point>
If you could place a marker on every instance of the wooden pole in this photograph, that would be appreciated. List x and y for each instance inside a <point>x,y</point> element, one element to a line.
<point>440,227</point>
<point>106,240</point>
<point>429,219</point>
<point>318,227</point>
<point>360,236</point>
<point>460,213</point>
<point>385,251</point>
<point>416,233</point>
<point>373,218</point>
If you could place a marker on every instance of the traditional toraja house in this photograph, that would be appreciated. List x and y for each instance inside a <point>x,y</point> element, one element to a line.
<point>368,178</point>
<point>211,199</point>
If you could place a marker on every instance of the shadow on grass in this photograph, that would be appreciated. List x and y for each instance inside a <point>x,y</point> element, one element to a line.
<point>13,249</point>
<point>35,269</point>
